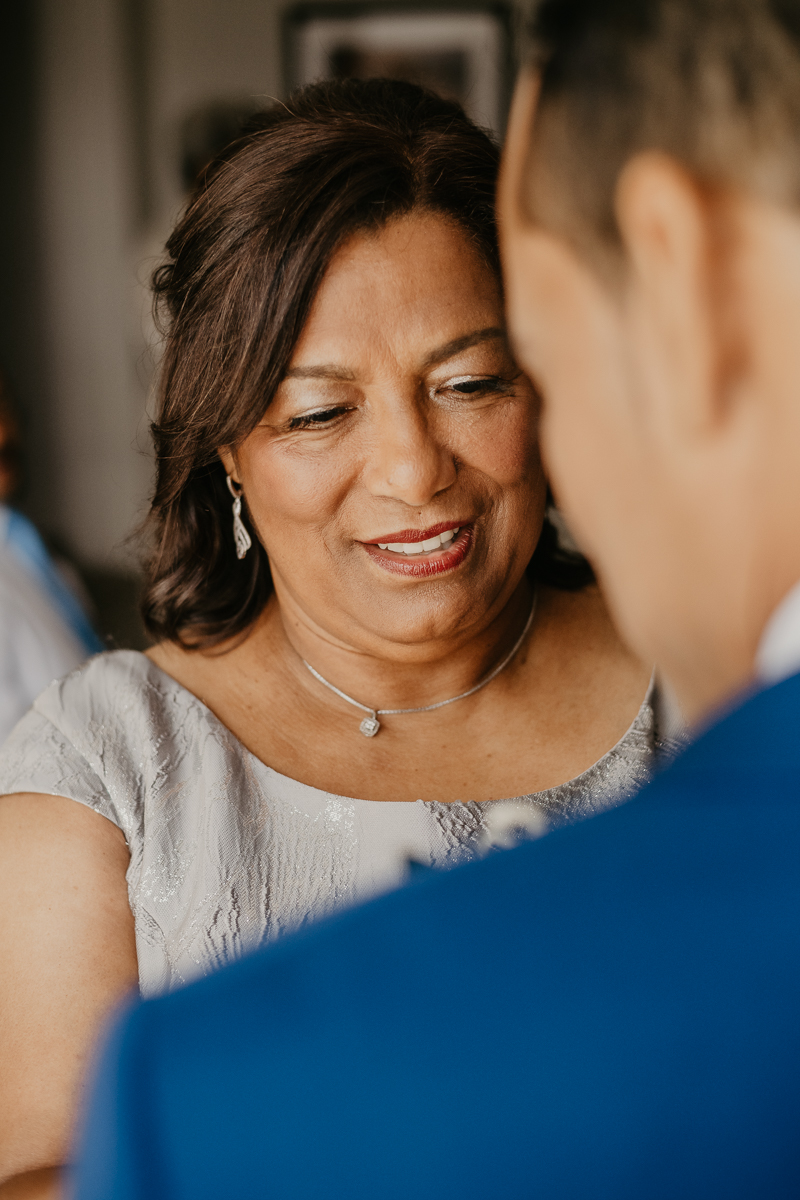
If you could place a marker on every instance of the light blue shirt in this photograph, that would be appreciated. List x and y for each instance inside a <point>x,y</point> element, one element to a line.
<point>24,542</point>
<point>44,632</point>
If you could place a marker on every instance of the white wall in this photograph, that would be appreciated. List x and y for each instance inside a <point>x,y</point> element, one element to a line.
<point>96,480</point>
<point>204,50</point>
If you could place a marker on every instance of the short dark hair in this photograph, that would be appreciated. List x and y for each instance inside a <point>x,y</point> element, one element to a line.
<point>243,267</point>
<point>714,83</point>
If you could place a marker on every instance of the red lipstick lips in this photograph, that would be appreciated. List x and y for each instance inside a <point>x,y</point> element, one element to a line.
<point>424,565</point>
<point>416,535</point>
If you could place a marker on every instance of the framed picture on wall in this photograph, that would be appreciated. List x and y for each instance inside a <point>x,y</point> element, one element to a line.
<point>463,53</point>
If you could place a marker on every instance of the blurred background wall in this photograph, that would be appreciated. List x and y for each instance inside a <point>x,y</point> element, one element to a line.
<point>98,98</point>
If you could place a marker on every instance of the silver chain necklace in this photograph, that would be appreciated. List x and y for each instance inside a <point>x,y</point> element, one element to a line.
<point>370,725</point>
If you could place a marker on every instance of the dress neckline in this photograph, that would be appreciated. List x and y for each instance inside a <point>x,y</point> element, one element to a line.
<point>576,780</point>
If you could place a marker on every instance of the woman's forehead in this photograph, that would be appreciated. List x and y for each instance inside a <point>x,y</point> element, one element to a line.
<point>419,280</point>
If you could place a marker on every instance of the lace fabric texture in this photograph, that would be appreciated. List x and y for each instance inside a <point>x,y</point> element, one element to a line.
<point>227,854</point>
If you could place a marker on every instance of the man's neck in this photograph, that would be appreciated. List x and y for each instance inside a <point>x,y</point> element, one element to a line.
<point>711,683</point>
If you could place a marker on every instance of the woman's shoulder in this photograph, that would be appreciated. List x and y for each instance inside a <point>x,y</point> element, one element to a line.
<point>110,688</point>
<point>121,710</point>
<point>98,734</point>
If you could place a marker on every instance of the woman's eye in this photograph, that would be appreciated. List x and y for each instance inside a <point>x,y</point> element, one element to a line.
<point>315,419</point>
<point>473,387</point>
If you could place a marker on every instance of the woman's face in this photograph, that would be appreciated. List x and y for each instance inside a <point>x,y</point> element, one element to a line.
<point>395,480</point>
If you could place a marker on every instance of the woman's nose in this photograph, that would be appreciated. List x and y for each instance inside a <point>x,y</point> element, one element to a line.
<point>407,460</point>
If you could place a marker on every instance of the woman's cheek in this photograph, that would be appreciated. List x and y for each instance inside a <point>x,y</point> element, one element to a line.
<point>296,489</point>
<point>503,443</point>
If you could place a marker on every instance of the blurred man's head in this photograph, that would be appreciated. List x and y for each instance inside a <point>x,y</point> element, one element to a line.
<point>652,251</point>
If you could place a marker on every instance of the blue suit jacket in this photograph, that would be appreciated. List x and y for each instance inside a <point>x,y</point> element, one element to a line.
<point>613,1011</point>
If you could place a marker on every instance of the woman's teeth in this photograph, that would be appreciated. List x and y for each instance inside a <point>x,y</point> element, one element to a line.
<point>434,543</point>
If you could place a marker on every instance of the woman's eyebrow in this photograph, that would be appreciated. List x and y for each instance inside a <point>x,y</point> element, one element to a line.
<point>442,353</point>
<point>323,371</point>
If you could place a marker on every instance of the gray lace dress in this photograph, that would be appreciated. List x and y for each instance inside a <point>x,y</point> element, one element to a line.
<point>227,853</point>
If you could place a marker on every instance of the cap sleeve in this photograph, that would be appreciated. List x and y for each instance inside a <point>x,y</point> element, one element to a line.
<point>39,757</point>
<point>78,741</point>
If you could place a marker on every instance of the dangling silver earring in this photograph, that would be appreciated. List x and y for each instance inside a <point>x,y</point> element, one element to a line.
<point>240,535</point>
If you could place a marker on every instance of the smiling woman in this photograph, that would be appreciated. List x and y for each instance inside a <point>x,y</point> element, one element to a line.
<point>366,641</point>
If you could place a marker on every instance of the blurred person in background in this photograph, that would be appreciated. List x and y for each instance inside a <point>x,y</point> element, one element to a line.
<point>44,629</point>
<point>610,1011</point>
<point>368,641</point>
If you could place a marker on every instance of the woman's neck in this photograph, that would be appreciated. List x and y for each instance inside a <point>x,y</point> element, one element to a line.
<point>379,672</point>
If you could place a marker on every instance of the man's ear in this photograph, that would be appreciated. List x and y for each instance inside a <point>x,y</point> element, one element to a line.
<point>511,204</point>
<point>666,224</point>
<point>228,462</point>
<point>519,236</point>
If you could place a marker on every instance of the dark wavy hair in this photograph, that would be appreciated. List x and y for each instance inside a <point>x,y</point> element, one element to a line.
<point>243,267</point>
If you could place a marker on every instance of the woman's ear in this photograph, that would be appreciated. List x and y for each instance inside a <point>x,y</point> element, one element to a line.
<point>228,462</point>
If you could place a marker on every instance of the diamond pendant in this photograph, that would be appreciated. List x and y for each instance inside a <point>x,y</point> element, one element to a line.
<point>370,726</point>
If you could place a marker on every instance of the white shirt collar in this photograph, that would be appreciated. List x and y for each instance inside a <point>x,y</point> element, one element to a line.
<point>778,654</point>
